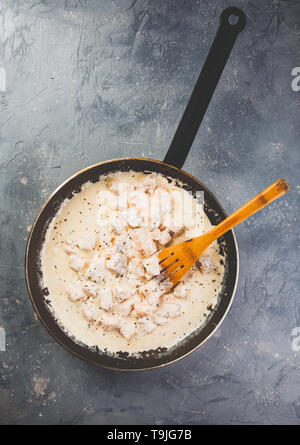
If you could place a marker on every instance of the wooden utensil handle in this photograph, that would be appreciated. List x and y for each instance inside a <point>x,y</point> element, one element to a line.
<point>274,191</point>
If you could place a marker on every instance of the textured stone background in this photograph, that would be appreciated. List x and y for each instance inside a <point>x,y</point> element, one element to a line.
<point>94,80</point>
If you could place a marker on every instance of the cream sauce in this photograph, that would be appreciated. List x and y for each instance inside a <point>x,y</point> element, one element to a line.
<point>81,215</point>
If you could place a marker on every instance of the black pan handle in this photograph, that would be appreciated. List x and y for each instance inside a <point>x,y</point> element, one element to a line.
<point>232,22</point>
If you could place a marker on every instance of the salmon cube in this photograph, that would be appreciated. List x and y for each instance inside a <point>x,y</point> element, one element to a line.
<point>105,238</point>
<point>76,262</point>
<point>143,308</point>
<point>144,241</point>
<point>133,313</point>
<point>155,215</point>
<point>124,244</point>
<point>123,292</point>
<point>109,321</point>
<point>169,310</point>
<point>155,234</point>
<point>149,183</point>
<point>165,237</point>
<point>106,298</point>
<point>151,265</point>
<point>132,217</point>
<point>102,215</point>
<point>117,263</point>
<point>159,320</point>
<point>153,290</point>
<point>91,289</point>
<point>86,242</point>
<point>70,246</point>
<point>136,267</point>
<point>114,186</point>
<point>125,307</point>
<point>139,200</point>
<point>96,269</point>
<point>124,190</point>
<point>75,292</point>
<point>107,198</point>
<point>118,222</point>
<point>146,325</point>
<point>90,311</point>
<point>127,328</point>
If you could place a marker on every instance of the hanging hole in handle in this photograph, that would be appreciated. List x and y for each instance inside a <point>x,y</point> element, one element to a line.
<point>234,18</point>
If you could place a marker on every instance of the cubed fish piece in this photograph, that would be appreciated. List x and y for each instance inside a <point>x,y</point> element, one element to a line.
<point>105,237</point>
<point>169,310</point>
<point>115,198</point>
<point>75,292</point>
<point>146,325</point>
<point>87,242</point>
<point>70,246</point>
<point>125,307</point>
<point>119,224</point>
<point>96,269</point>
<point>143,308</point>
<point>144,242</point>
<point>165,199</point>
<point>205,264</point>
<point>151,265</point>
<point>155,215</point>
<point>102,215</point>
<point>132,217</point>
<point>107,198</point>
<point>90,311</point>
<point>123,292</point>
<point>149,183</point>
<point>84,242</point>
<point>139,200</point>
<point>165,237</point>
<point>109,321</point>
<point>124,190</point>
<point>181,290</point>
<point>70,249</point>
<point>113,186</point>
<point>91,289</point>
<point>127,328</point>
<point>136,268</point>
<point>76,262</point>
<point>106,298</point>
<point>154,289</point>
<point>133,313</point>
<point>155,233</point>
<point>159,320</point>
<point>124,244</point>
<point>117,263</point>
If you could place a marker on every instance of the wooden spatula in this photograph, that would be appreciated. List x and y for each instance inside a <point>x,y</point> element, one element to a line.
<point>176,260</point>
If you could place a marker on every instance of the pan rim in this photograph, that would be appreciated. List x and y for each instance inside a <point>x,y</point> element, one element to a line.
<point>28,280</point>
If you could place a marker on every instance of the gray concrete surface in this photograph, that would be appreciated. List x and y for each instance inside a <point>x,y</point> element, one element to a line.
<point>93,80</point>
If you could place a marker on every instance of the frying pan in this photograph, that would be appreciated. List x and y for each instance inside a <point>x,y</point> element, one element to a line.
<point>232,21</point>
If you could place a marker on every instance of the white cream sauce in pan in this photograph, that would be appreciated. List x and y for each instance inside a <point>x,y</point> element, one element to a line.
<point>83,230</point>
